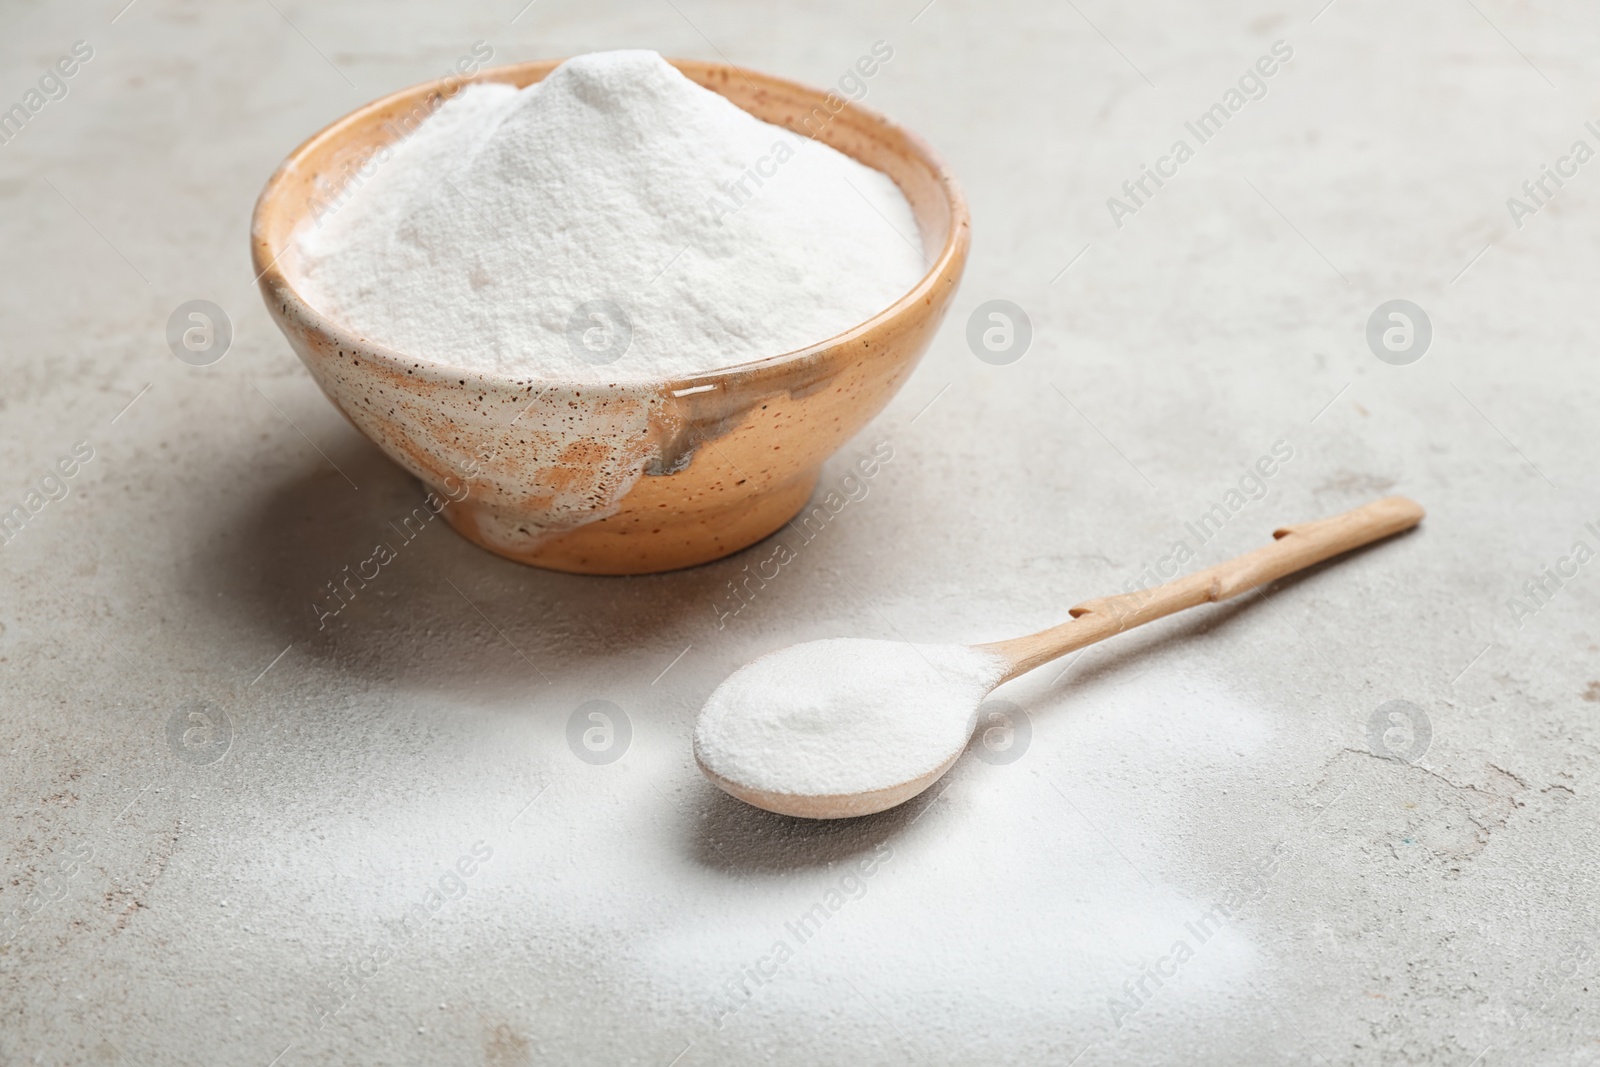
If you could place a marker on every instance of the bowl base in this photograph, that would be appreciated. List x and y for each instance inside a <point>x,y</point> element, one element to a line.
<point>633,545</point>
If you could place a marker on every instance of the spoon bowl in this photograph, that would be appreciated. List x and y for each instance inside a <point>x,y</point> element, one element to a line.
<point>831,728</point>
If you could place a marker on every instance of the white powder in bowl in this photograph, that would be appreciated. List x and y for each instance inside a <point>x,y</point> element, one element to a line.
<point>844,716</point>
<point>590,226</point>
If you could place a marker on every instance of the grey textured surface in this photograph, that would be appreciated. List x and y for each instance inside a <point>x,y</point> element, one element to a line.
<point>164,904</point>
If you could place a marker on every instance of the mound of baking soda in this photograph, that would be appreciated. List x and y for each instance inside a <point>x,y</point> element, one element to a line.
<point>594,225</point>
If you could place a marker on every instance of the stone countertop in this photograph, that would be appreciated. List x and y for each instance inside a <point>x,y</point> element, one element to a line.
<point>1350,820</point>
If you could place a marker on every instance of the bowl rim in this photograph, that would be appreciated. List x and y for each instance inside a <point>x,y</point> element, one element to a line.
<point>276,287</point>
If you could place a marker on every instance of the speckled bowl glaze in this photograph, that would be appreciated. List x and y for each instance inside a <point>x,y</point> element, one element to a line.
<point>623,477</point>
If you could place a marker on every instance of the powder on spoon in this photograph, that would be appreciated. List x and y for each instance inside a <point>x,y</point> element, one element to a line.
<point>500,236</point>
<point>844,716</point>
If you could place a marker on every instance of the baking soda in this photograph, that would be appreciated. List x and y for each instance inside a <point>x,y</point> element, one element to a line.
<point>613,221</point>
<point>844,716</point>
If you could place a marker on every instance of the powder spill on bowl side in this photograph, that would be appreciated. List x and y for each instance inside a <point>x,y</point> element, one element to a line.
<point>514,221</point>
<point>844,715</point>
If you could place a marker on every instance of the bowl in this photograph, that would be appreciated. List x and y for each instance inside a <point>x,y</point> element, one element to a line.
<point>624,477</point>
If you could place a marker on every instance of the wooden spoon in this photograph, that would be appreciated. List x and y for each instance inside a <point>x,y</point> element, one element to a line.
<point>1294,548</point>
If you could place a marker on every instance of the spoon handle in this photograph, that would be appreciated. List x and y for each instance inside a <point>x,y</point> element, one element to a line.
<point>1294,548</point>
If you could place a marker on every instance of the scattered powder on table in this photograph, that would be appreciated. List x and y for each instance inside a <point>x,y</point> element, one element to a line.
<point>844,716</point>
<point>505,232</point>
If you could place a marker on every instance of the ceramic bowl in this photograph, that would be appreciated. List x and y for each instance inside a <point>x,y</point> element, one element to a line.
<point>622,477</point>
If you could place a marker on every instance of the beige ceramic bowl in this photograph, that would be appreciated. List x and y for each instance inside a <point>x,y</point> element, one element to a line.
<point>626,477</point>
